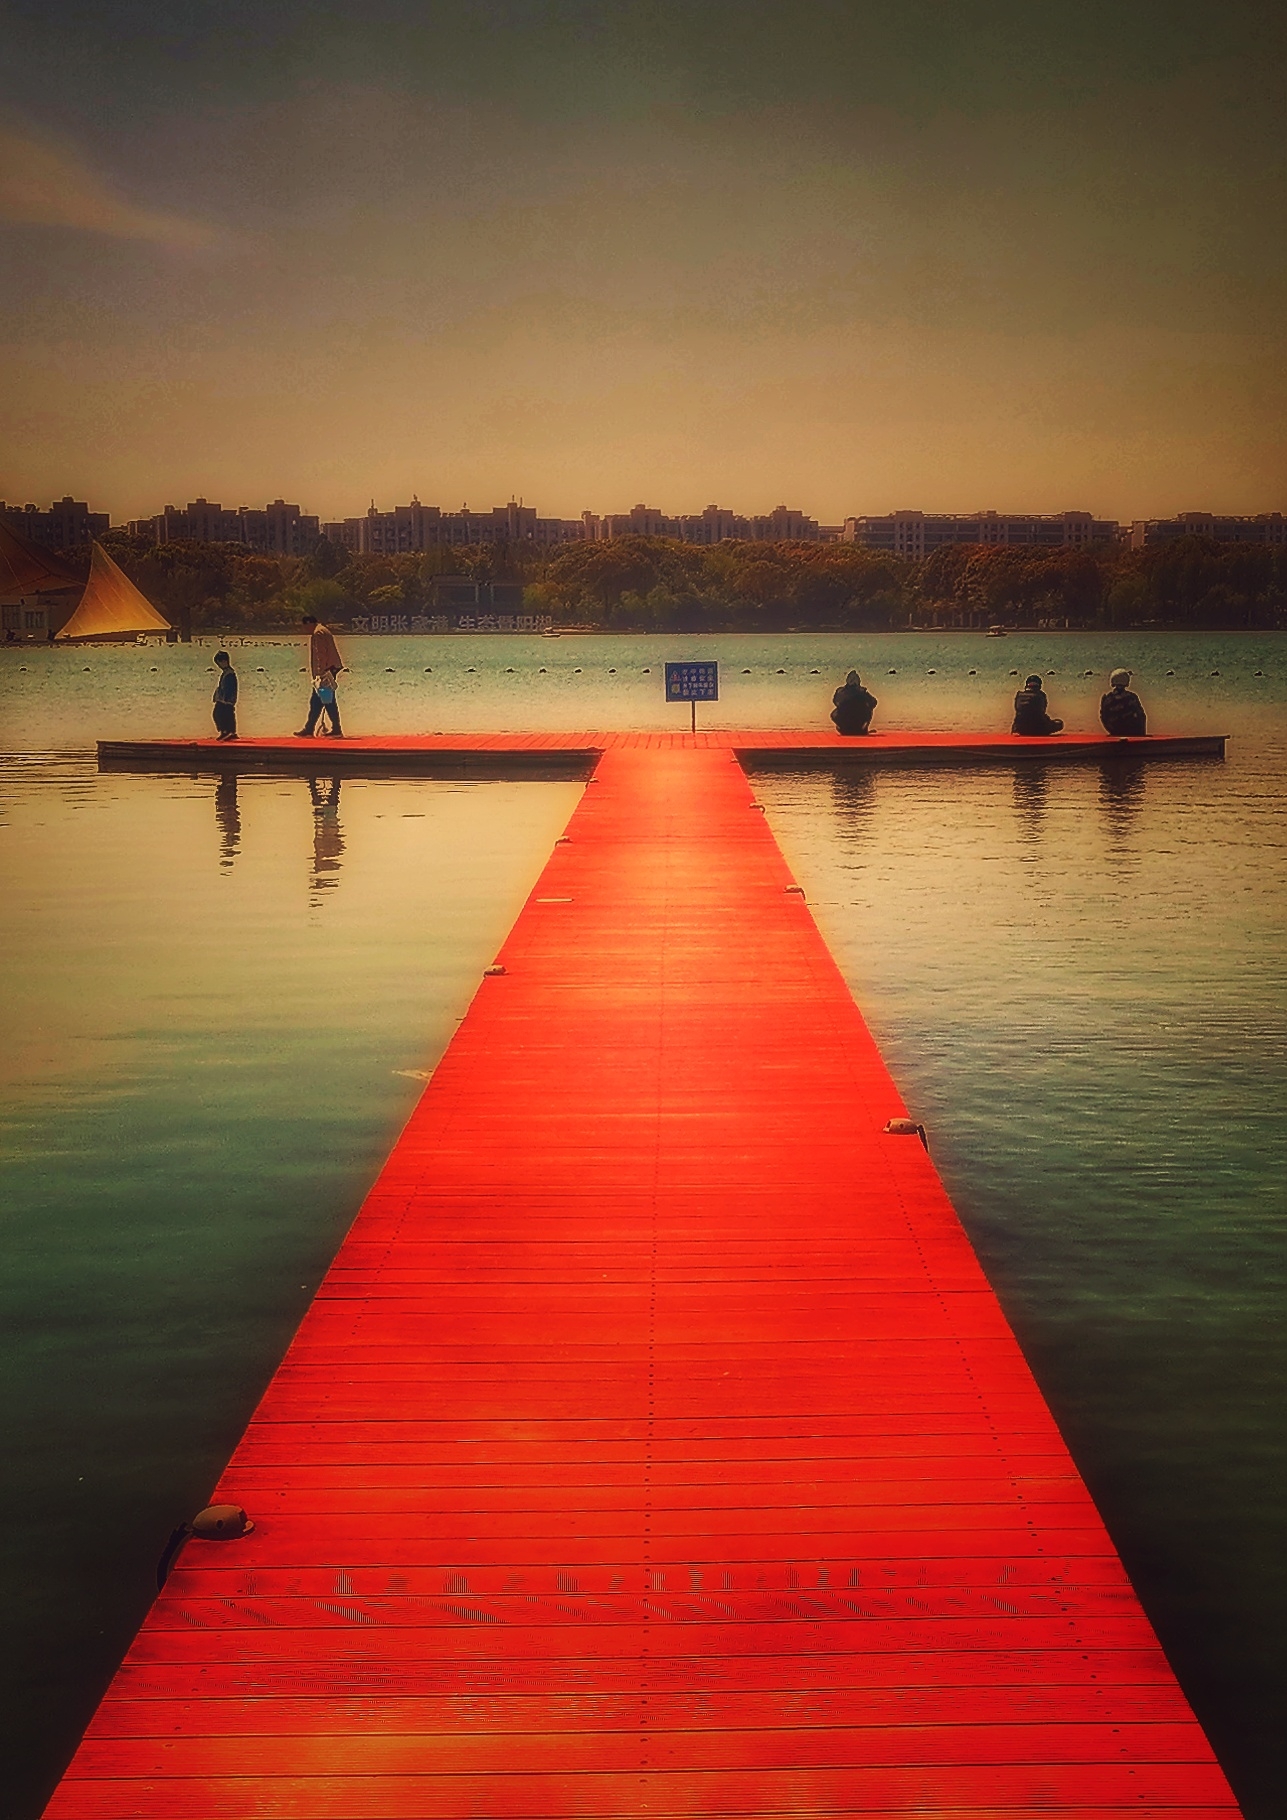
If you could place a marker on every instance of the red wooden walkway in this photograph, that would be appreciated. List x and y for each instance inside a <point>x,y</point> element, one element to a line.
<point>654,1445</point>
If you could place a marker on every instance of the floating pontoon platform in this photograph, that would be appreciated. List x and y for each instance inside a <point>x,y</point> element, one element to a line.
<point>576,753</point>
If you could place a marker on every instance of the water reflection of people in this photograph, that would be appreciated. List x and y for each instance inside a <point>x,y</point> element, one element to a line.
<point>1121,797</point>
<point>853,799</point>
<point>227,819</point>
<point>328,836</point>
<point>1030,787</point>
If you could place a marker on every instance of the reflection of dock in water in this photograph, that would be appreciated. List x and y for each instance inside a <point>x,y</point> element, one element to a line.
<point>655,1444</point>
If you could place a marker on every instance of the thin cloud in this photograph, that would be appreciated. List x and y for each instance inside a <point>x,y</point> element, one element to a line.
<point>44,185</point>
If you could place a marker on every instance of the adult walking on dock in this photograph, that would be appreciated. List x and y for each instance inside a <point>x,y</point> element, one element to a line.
<point>1031,715</point>
<point>854,706</point>
<point>325,664</point>
<point>1121,711</point>
<point>225,697</point>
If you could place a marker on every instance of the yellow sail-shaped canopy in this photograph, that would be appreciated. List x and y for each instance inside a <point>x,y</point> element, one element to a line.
<point>111,606</point>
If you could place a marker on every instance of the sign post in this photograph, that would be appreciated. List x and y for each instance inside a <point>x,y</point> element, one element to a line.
<point>692,683</point>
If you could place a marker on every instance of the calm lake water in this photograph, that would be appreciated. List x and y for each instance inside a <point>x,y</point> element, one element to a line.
<point>221,997</point>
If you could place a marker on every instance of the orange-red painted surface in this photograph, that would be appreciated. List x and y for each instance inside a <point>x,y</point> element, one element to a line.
<point>655,1445</point>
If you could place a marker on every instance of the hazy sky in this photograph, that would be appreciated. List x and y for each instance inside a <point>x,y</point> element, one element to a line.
<point>842,255</point>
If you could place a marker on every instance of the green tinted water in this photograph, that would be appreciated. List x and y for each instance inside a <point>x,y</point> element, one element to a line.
<point>218,995</point>
<point>220,998</point>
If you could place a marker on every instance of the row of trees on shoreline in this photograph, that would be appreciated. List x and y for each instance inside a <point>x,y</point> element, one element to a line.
<point>635,584</point>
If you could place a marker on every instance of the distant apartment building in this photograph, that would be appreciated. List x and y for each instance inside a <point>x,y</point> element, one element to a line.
<point>714,524</point>
<point>639,521</point>
<point>277,529</point>
<point>917,534</point>
<point>1266,528</point>
<point>67,525</point>
<point>420,527</point>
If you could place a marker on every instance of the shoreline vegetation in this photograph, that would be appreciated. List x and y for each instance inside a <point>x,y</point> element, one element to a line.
<point>645,584</point>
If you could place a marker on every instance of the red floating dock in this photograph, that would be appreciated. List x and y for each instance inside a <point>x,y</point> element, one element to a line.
<point>654,1445</point>
<point>761,748</point>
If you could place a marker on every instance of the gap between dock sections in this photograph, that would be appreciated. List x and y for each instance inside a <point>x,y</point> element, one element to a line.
<point>654,1445</point>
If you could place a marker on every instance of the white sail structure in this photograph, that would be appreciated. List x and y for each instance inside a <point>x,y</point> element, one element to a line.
<point>111,606</point>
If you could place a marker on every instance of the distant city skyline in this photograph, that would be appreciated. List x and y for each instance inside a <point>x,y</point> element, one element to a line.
<point>284,528</point>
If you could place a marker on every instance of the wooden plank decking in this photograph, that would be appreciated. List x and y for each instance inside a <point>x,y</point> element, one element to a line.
<point>655,1445</point>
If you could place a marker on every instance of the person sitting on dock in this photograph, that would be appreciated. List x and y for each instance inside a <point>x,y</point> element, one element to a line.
<point>1121,710</point>
<point>225,697</point>
<point>854,706</point>
<point>1030,711</point>
<point>325,664</point>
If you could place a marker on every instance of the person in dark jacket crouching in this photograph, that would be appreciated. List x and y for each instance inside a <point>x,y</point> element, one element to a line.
<point>1030,715</point>
<point>1121,710</point>
<point>854,706</point>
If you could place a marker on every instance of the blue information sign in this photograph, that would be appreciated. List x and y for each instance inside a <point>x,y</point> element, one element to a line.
<point>692,682</point>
